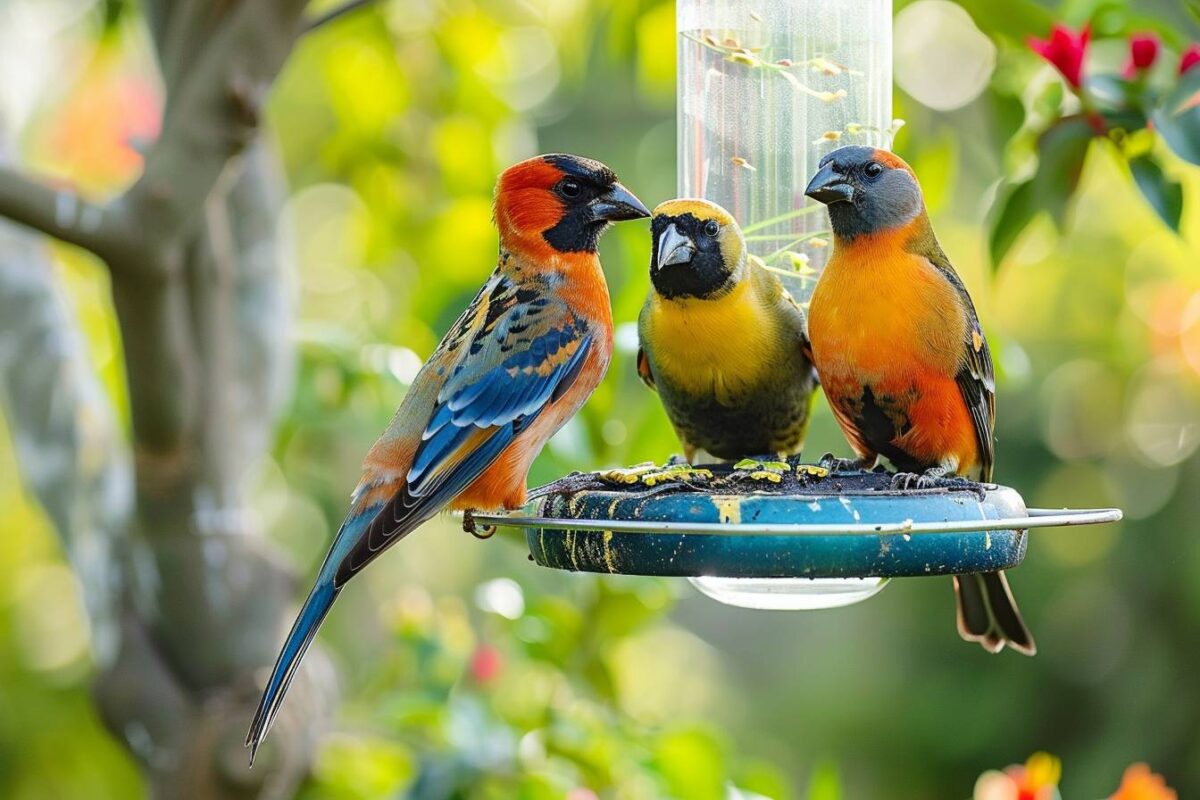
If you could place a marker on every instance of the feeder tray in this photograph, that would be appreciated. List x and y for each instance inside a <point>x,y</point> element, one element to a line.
<point>745,540</point>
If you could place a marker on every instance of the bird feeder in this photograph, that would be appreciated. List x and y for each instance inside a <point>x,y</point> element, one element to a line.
<point>765,89</point>
<point>795,539</point>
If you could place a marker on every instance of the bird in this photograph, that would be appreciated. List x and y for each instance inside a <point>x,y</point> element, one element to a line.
<point>515,366</point>
<point>721,340</point>
<point>902,357</point>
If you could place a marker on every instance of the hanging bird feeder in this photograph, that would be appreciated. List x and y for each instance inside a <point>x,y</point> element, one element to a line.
<point>766,88</point>
<point>807,540</point>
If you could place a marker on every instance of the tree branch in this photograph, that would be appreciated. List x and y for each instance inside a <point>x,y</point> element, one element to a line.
<point>60,212</point>
<point>213,117</point>
<point>181,33</point>
<point>334,13</point>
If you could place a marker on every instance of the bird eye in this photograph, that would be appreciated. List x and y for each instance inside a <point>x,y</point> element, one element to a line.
<point>874,169</point>
<point>570,188</point>
<point>711,228</point>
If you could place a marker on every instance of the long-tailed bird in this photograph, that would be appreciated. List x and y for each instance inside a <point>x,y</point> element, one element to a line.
<point>518,363</point>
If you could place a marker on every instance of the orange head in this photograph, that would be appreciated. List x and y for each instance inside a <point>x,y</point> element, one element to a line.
<point>558,204</point>
<point>867,190</point>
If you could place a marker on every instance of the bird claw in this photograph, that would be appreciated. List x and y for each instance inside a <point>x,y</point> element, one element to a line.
<point>931,479</point>
<point>831,464</point>
<point>474,528</point>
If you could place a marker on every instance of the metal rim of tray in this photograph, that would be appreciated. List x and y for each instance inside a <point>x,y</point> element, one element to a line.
<point>1036,518</point>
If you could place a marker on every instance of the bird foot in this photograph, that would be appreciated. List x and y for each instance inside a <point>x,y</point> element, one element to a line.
<point>474,528</point>
<point>831,464</point>
<point>930,479</point>
<point>650,474</point>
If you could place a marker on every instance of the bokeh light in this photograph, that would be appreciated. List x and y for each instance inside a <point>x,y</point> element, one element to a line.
<point>941,58</point>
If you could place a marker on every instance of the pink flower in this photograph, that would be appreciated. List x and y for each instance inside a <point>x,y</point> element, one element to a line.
<point>1065,50</point>
<point>1190,58</point>
<point>1143,52</point>
<point>486,664</point>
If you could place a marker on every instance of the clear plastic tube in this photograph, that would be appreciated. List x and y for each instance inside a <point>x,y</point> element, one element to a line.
<point>765,89</point>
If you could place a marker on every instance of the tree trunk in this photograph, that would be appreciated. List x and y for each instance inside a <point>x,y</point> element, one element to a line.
<point>188,600</point>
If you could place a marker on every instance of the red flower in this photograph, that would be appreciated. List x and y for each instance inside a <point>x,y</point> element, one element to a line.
<point>1065,50</point>
<point>1190,58</point>
<point>1143,52</point>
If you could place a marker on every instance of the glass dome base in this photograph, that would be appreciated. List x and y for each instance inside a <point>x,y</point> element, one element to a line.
<point>788,594</point>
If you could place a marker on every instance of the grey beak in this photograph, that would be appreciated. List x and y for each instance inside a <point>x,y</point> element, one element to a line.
<point>829,186</point>
<point>617,204</point>
<point>673,248</point>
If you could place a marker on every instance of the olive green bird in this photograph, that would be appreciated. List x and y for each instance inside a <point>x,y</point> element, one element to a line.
<point>722,340</point>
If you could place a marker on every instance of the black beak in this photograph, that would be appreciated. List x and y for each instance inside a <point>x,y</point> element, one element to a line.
<point>673,248</point>
<point>617,204</point>
<point>829,186</point>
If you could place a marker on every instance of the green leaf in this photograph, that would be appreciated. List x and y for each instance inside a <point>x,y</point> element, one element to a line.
<point>763,779</point>
<point>825,784</point>
<point>1061,153</point>
<point>1178,117</point>
<point>1194,7</point>
<point>692,762</point>
<point>1013,212</point>
<point>1106,17</point>
<point>1164,195</point>
<point>363,767</point>
<point>1048,102</point>
<point>1015,19</point>
<point>1110,91</point>
<point>936,163</point>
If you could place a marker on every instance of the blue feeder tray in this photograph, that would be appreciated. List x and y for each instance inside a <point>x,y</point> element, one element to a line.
<point>808,525</point>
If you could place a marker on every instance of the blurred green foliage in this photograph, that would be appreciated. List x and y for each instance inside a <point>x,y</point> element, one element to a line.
<point>393,123</point>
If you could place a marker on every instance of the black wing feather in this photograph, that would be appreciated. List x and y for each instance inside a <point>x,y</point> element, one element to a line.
<point>976,376</point>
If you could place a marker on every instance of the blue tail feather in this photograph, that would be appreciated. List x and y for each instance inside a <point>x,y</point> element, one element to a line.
<point>304,630</point>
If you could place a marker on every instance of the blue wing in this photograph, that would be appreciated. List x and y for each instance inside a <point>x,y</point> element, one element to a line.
<point>509,373</point>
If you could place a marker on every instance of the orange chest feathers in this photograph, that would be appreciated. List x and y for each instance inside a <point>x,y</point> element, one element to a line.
<point>886,318</point>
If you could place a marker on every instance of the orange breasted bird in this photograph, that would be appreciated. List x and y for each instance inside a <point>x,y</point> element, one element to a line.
<point>516,365</point>
<point>722,341</point>
<point>901,354</point>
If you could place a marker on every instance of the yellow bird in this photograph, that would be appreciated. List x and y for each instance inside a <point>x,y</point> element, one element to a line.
<point>722,341</point>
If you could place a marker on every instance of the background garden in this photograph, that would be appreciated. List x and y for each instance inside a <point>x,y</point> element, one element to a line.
<point>465,671</point>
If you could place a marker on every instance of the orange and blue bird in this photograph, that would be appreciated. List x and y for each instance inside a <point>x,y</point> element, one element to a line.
<point>517,364</point>
<point>902,357</point>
